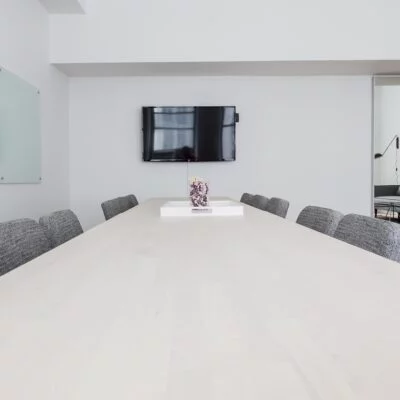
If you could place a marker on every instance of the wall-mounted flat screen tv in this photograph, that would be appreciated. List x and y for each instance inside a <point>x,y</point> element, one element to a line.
<point>189,133</point>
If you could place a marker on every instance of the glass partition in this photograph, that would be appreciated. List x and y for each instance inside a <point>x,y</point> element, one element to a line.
<point>20,144</point>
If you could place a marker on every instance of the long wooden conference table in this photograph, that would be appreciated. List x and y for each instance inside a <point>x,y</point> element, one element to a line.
<point>252,307</point>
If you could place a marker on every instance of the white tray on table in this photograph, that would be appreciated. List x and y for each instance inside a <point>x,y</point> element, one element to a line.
<point>215,208</point>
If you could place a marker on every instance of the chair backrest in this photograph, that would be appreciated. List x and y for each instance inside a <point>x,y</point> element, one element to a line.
<point>320,219</point>
<point>278,207</point>
<point>374,235</point>
<point>259,202</point>
<point>116,206</point>
<point>61,226</point>
<point>21,241</point>
<point>246,198</point>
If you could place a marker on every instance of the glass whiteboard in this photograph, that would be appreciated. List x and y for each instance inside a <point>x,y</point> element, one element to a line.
<point>20,144</point>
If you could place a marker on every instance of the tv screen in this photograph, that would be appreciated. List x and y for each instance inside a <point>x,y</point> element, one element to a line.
<point>189,133</point>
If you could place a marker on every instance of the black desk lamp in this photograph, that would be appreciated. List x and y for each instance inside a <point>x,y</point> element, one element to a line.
<point>379,155</point>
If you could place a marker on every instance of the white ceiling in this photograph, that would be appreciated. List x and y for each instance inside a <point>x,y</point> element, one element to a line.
<point>64,6</point>
<point>246,68</point>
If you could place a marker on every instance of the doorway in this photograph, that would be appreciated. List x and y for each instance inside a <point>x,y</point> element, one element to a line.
<point>386,143</point>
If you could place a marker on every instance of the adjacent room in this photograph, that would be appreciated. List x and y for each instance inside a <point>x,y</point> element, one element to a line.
<point>199,200</point>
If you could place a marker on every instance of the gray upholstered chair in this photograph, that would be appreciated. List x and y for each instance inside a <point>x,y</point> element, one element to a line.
<point>61,226</point>
<point>278,207</point>
<point>21,241</point>
<point>320,219</point>
<point>246,198</point>
<point>113,207</point>
<point>259,202</point>
<point>376,236</point>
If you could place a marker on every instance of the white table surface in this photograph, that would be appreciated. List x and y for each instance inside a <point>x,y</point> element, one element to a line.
<point>252,307</point>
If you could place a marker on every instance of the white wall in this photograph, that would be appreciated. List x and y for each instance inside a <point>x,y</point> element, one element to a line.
<point>64,6</point>
<point>24,42</point>
<point>387,124</point>
<point>222,30</point>
<point>307,139</point>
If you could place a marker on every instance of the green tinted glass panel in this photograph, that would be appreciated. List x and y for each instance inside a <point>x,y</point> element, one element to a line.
<point>20,145</point>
